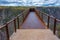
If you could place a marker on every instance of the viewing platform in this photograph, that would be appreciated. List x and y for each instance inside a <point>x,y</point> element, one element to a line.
<point>34,34</point>
<point>29,25</point>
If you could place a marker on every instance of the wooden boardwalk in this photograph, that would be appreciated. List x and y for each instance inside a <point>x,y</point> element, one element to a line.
<point>34,34</point>
<point>33,29</point>
<point>33,22</point>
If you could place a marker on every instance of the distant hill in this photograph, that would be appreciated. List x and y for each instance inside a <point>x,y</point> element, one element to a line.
<point>55,11</point>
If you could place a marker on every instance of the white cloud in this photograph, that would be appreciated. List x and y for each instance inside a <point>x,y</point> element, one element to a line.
<point>50,1</point>
<point>11,0</point>
<point>8,5</point>
<point>34,2</point>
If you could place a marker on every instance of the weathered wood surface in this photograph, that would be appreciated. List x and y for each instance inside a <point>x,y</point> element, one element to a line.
<point>34,34</point>
<point>33,22</point>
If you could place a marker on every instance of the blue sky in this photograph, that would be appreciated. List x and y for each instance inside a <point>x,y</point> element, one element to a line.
<point>29,2</point>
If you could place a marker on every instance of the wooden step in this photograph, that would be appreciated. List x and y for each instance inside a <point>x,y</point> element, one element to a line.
<point>33,34</point>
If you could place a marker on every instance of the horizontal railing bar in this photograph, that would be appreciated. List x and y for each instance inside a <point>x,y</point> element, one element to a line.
<point>18,15</point>
<point>7,23</point>
<point>58,20</point>
<point>51,16</point>
<point>2,26</point>
<point>22,13</point>
<point>11,20</point>
<point>55,21</point>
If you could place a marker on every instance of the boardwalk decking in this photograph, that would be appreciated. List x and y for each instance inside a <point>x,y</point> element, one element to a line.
<point>33,29</point>
<point>32,22</point>
<point>34,34</point>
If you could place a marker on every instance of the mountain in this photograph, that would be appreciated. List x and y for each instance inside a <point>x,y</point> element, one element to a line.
<point>54,11</point>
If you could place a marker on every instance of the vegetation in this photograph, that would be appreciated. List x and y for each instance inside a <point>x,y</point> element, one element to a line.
<point>54,11</point>
<point>12,11</point>
<point>58,30</point>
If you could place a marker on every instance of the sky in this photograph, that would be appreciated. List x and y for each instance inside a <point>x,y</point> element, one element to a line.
<point>29,2</point>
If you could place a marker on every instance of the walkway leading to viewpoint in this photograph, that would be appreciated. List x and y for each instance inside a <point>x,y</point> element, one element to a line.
<point>33,22</point>
<point>33,29</point>
<point>34,34</point>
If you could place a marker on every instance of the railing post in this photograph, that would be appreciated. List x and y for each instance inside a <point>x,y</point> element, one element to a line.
<point>15,24</point>
<point>42,16</point>
<point>39,14</point>
<point>48,22</point>
<point>54,30</point>
<point>7,31</point>
<point>18,21</point>
<point>0,35</point>
<point>23,16</point>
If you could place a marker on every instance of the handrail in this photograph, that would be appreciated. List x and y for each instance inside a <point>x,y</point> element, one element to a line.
<point>17,18</point>
<point>6,26</point>
<point>49,16</point>
<point>13,20</point>
<point>55,20</point>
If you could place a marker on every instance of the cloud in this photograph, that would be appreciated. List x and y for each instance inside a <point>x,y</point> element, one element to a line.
<point>30,2</point>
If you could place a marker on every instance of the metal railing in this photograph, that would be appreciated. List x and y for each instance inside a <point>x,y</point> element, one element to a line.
<point>51,22</point>
<point>10,27</point>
